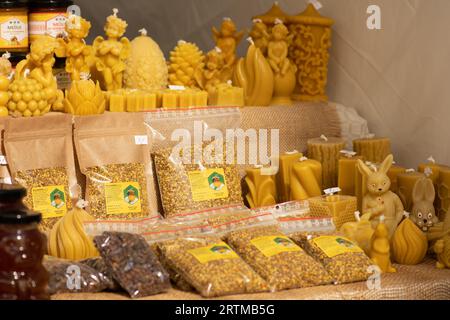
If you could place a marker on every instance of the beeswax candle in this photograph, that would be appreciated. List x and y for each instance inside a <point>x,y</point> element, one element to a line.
<point>444,192</point>
<point>360,231</point>
<point>286,162</point>
<point>347,173</point>
<point>226,95</point>
<point>261,188</point>
<point>393,173</point>
<point>341,208</point>
<point>373,149</point>
<point>327,151</point>
<point>406,183</point>
<point>306,179</point>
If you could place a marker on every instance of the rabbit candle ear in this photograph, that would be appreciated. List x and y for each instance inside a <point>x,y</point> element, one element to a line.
<point>364,168</point>
<point>430,192</point>
<point>424,191</point>
<point>387,164</point>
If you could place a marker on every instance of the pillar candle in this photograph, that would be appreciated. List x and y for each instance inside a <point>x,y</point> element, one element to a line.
<point>444,192</point>
<point>406,183</point>
<point>286,162</point>
<point>341,208</point>
<point>373,149</point>
<point>327,152</point>
<point>310,52</point>
<point>347,173</point>
<point>262,188</point>
<point>306,179</point>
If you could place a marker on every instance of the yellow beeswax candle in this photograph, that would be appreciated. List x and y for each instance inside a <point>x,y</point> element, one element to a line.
<point>341,208</point>
<point>226,95</point>
<point>444,192</point>
<point>360,231</point>
<point>306,179</point>
<point>170,100</point>
<point>117,103</point>
<point>373,149</point>
<point>380,248</point>
<point>393,173</point>
<point>347,173</point>
<point>327,151</point>
<point>406,183</point>
<point>261,188</point>
<point>286,162</point>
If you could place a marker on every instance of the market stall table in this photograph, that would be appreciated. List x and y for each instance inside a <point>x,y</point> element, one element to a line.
<point>419,282</point>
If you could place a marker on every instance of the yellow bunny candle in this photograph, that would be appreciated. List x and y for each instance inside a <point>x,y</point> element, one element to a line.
<point>379,200</point>
<point>380,249</point>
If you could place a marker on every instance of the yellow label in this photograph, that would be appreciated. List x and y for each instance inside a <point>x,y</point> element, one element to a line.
<point>217,251</point>
<point>14,30</point>
<point>333,246</point>
<point>51,201</point>
<point>48,23</point>
<point>123,197</point>
<point>272,245</point>
<point>208,184</point>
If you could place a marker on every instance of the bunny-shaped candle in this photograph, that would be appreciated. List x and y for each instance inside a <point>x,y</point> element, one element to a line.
<point>379,200</point>
<point>380,248</point>
<point>423,213</point>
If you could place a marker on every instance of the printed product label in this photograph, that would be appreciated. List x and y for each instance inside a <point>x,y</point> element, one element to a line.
<point>123,197</point>
<point>13,31</point>
<point>333,246</point>
<point>62,78</point>
<point>218,251</point>
<point>51,201</point>
<point>273,245</point>
<point>208,184</point>
<point>52,24</point>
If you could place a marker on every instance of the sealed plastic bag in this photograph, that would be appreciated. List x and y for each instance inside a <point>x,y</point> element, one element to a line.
<point>211,266</point>
<point>276,258</point>
<point>99,264</point>
<point>73,277</point>
<point>42,160</point>
<point>114,154</point>
<point>343,259</point>
<point>186,185</point>
<point>132,263</point>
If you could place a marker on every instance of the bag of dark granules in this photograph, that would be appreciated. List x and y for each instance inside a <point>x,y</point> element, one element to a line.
<point>132,264</point>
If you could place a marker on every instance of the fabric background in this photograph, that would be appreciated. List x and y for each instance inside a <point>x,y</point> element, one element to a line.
<point>396,78</point>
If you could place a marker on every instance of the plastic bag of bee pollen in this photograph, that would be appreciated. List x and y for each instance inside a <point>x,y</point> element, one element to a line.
<point>343,259</point>
<point>114,154</point>
<point>132,263</point>
<point>211,266</point>
<point>188,185</point>
<point>41,159</point>
<point>276,258</point>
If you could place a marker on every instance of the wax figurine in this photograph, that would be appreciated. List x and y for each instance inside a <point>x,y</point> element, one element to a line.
<point>227,39</point>
<point>380,248</point>
<point>79,56</point>
<point>379,200</point>
<point>260,35</point>
<point>210,77</point>
<point>284,71</point>
<point>112,53</point>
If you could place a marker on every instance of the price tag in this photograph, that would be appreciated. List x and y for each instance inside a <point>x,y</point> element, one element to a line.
<point>177,88</point>
<point>331,191</point>
<point>316,4</point>
<point>141,140</point>
<point>3,161</point>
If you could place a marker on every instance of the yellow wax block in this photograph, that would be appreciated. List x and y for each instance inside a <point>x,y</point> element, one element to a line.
<point>227,96</point>
<point>341,208</point>
<point>170,100</point>
<point>444,192</point>
<point>347,174</point>
<point>393,173</point>
<point>116,103</point>
<point>262,188</point>
<point>406,183</point>
<point>286,162</point>
<point>186,99</point>
<point>149,102</point>
<point>306,180</point>
<point>201,99</point>
<point>373,149</point>
<point>159,98</point>
<point>327,152</point>
<point>132,103</point>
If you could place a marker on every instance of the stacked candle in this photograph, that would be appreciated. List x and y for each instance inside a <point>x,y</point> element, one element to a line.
<point>373,149</point>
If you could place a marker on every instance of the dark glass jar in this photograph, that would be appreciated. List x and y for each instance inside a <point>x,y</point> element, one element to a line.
<point>48,17</point>
<point>14,26</point>
<point>22,248</point>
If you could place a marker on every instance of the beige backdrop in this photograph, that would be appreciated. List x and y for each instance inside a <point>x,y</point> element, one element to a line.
<point>396,78</point>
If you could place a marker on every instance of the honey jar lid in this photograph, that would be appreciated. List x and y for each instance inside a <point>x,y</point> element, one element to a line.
<point>50,3</point>
<point>17,215</point>
<point>11,4</point>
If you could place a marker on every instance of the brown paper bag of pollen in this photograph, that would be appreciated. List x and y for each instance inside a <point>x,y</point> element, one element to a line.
<point>111,158</point>
<point>5,175</point>
<point>40,153</point>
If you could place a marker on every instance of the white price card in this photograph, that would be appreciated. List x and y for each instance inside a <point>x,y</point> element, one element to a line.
<point>3,161</point>
<point>141,140</point>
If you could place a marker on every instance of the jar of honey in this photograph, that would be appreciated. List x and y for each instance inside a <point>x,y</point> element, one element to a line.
<point>13,26</point>
<point>48,17</point>
<point>22,248</point>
